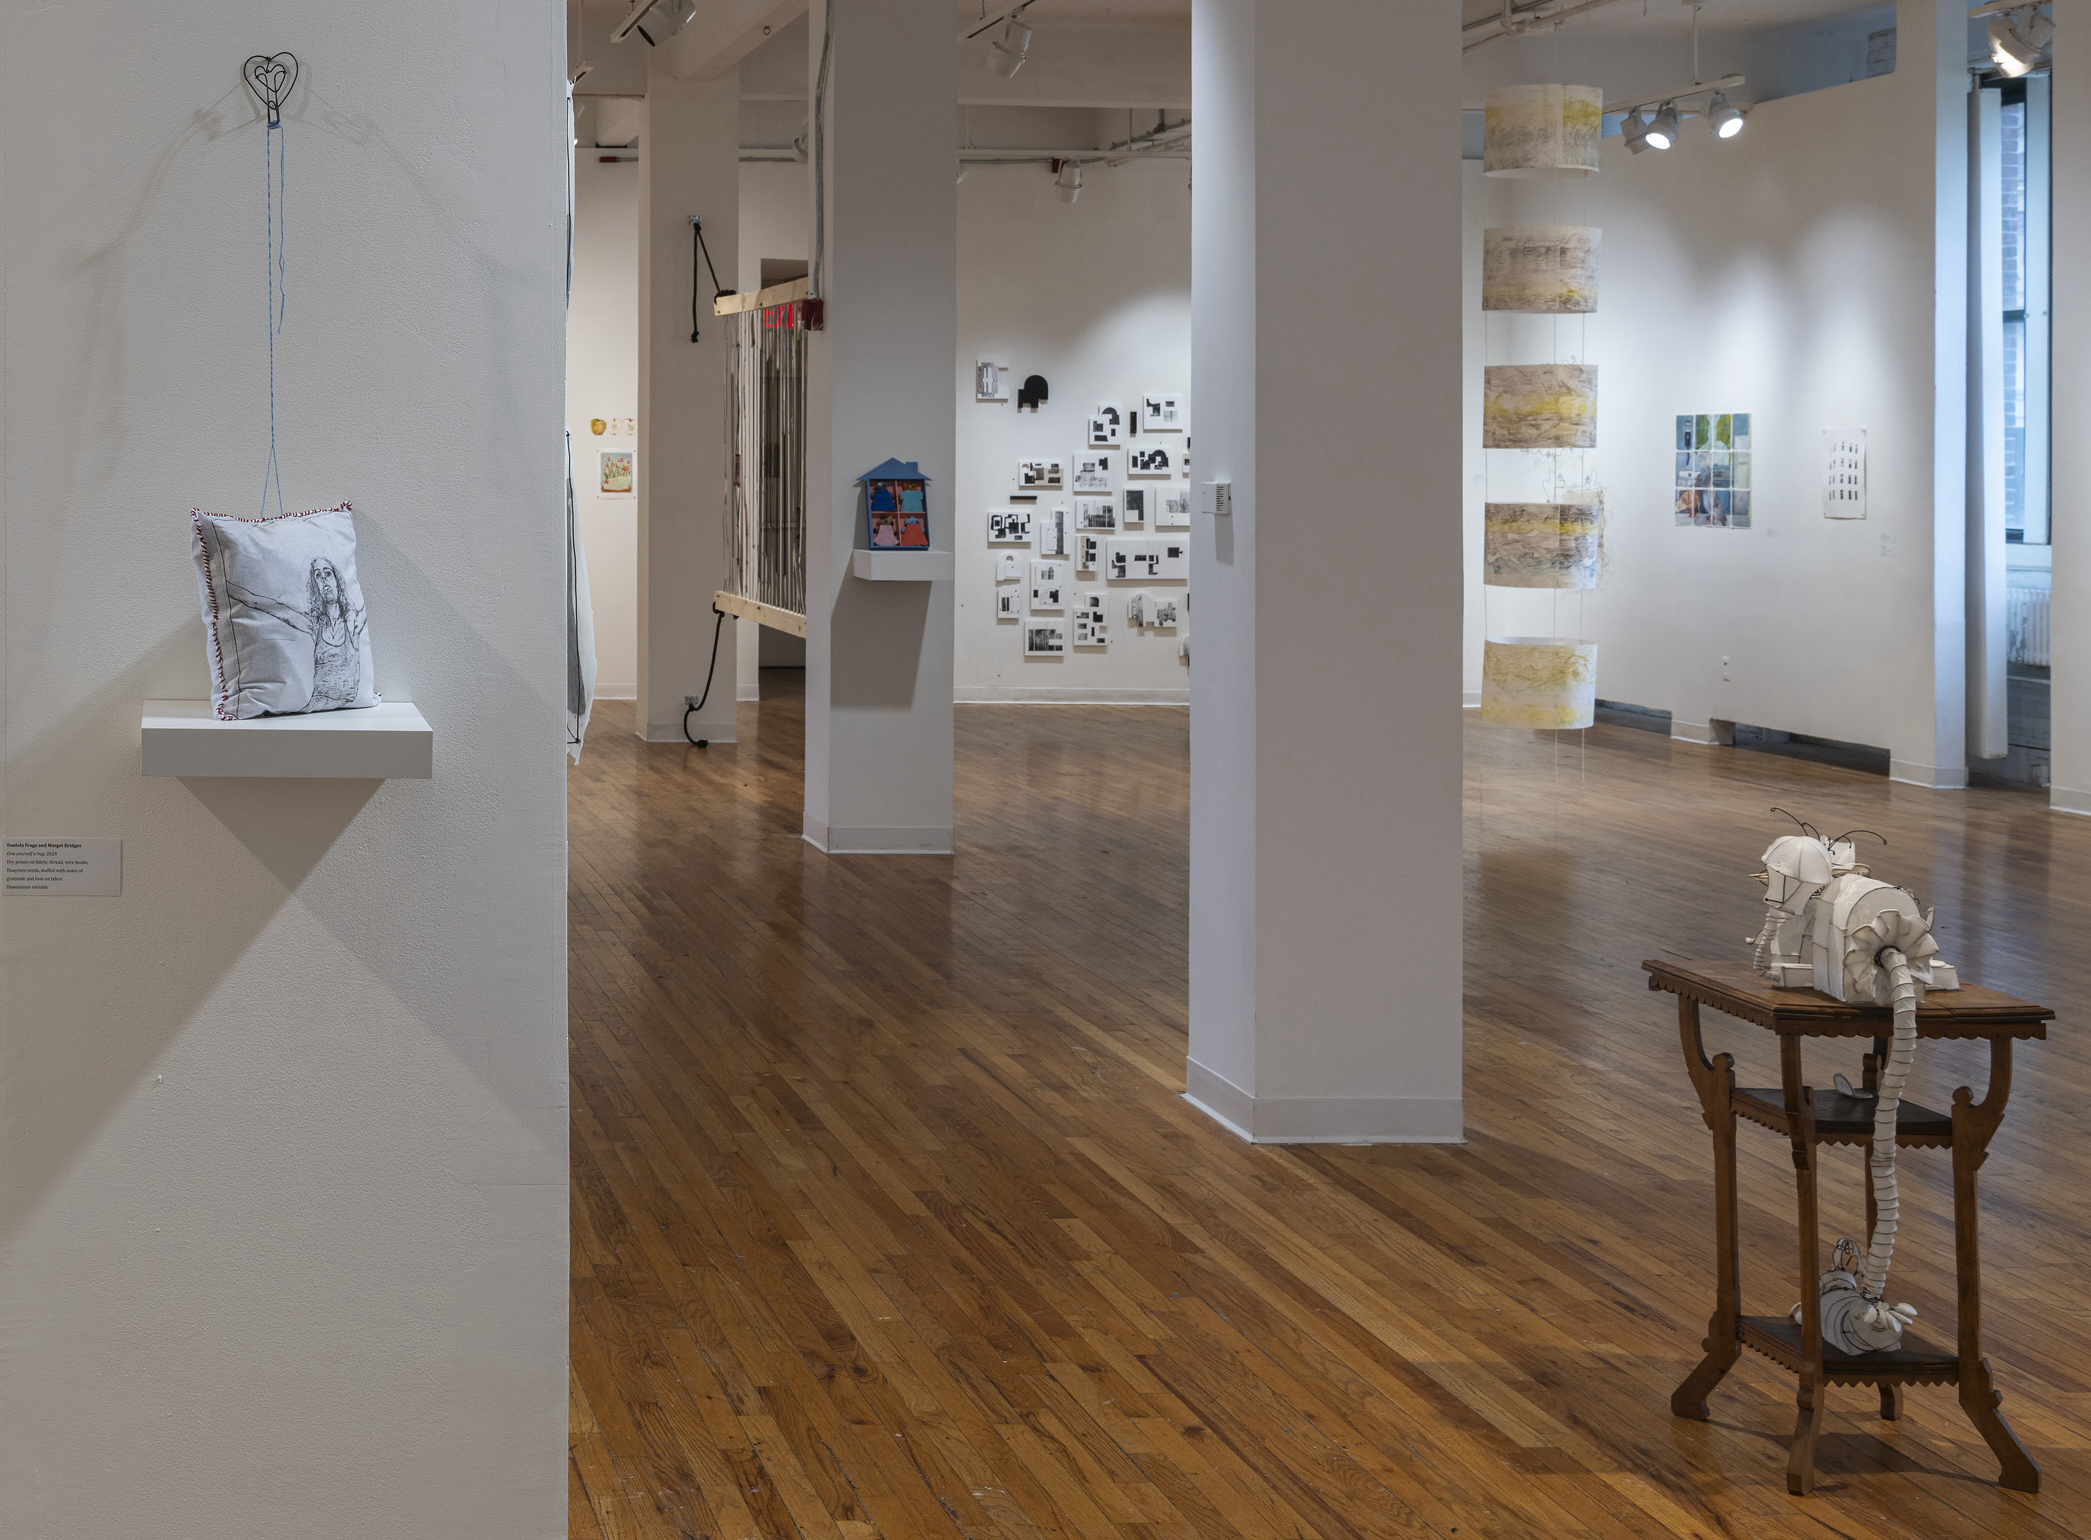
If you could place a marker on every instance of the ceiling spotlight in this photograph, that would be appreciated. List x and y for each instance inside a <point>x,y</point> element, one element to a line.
<point>654,20</point>
<point>1633,128</point>
<point>1662,133</point>
<point>1725,117</point>
<point>1067,186</point>
<point>2018,38</point>
<point>1006,54</point>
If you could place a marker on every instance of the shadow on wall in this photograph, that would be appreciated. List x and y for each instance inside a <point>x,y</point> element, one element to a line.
<point>196,904</point>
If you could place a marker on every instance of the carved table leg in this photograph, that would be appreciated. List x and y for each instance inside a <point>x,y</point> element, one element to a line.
<point>1715,1081</point>
<point>1891,1403</point>
<point>1974,1123</point>
<point>1812,1395</point>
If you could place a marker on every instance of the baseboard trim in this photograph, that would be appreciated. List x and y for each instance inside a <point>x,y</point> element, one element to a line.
<point>1931,777</point>
<point>1470,700</point>
<point>1323,1119</point>
<point>673,733</point>
<point>748,692</point>
<point>1715,734</point>
<point>616,692</point>
<point>875,841</point>
<point>1046,695</point>
<point>2075,803</point>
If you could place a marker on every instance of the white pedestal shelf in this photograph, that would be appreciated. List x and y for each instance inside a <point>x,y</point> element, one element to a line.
<point>903,566</point>
<point>388,742</point>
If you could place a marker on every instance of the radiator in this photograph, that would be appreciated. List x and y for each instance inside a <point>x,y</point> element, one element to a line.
<point>2026,612</point>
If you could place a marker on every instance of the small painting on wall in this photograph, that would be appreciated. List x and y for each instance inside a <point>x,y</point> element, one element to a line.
<point>1844,473</point>
<point>616,473</point>
<point>1712,457</point>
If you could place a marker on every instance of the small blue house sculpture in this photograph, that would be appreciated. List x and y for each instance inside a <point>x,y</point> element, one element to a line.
<point>896,506</point>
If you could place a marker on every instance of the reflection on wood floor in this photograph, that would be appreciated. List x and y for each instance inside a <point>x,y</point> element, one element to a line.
<point>888,1218</point>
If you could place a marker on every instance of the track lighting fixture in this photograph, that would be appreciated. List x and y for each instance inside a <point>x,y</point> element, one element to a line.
<point>1662,133</point>
<point>655,20</point>
<point>1067,186</point>
<point>2017,39</point>
<point>1723,116</point>
<point>1006,54</point>
<point>1633,128</point>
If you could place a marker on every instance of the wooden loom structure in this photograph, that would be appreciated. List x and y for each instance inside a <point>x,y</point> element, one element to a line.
<point>766,454</point>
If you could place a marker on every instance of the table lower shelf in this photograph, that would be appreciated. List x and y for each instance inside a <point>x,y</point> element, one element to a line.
<point>1841,1119</point>
<point>1916,1362</point>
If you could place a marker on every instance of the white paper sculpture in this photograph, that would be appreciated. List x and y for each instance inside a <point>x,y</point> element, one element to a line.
<point>1543,545</point>
<point>1545,130</point>
<point>1048,585</point>
<point>1540,269</point>
<point>1539,682</point>
<point>1091,627</point>
<point>1009,526</point>
<point>1539,406</point>
<point>1831,924</point>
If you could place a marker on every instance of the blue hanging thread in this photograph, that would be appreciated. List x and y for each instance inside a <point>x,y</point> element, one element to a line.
<point>275,203</point>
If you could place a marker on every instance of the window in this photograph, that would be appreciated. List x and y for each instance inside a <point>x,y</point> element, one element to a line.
<point>2023,185</point>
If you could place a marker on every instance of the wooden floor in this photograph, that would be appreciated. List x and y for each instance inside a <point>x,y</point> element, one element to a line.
<point>888,1218</point>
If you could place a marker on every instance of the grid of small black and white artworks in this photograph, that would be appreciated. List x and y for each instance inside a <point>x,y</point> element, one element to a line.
<point>1125,519</point>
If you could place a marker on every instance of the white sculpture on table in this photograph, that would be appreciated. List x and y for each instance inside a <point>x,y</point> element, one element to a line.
<point>1829,923</point>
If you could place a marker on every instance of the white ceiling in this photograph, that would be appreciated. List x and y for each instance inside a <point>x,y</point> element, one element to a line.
<point>971,13</point>
<point>1660,18</point>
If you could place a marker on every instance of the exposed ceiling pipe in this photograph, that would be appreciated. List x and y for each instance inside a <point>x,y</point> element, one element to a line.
<point>1524,19</point>
<point>972,155</point>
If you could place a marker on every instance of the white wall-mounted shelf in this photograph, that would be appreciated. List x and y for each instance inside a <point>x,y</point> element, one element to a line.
<point>903,566</point>
<point>388,742</point>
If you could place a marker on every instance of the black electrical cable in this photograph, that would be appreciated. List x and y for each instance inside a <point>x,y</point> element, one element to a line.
<point>705,743</point>
<point>697,247</point>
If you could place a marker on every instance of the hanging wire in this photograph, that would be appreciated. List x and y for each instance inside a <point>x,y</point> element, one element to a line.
<point>274,180</point>
<point>271,77</point>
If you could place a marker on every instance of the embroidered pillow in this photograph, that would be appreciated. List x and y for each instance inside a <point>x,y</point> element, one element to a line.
<point>284,612</point>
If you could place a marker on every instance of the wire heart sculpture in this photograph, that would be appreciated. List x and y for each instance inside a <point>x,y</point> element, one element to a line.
<point>271,78</point>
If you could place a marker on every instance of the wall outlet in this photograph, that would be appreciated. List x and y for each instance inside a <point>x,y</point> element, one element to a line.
<point>1724,670</point>
<point>691,702</point>
<point>1887,545</point>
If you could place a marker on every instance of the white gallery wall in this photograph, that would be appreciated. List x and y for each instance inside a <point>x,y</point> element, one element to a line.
<point>602,364</point>
<point>1762,275</point>
<point>283,1197</point>
<point>1095,296</point>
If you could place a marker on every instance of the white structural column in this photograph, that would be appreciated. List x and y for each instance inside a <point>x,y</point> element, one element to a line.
<point>1325,686</point>
<point>1931,48</point>
<point>2070,639</point>
<point>689,163</point>
<point>878,654</point>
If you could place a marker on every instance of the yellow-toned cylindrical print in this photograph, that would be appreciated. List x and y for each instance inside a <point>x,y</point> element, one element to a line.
<point>1539,406</point>
<point>1545,130</point>
<point>1543,545</point>
<point>1541,269</point>
<point>1539,682</point>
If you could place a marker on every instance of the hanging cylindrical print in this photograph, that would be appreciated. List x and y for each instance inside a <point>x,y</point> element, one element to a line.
<point>1540,269</point>
<point>1530,131</point>
<point>1539,406</point>
<point>1543,545</point>
<point>1539,681</point>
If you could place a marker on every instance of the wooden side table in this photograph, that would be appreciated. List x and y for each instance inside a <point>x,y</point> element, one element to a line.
<point>1809,1118</point>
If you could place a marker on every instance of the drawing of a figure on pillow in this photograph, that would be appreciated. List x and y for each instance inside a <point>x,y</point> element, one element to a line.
<point>336,629</point>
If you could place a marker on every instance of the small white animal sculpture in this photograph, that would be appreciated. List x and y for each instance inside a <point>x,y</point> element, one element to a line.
<point>1829,923</point>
